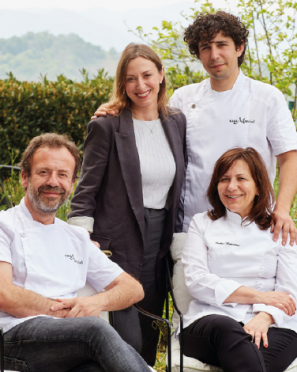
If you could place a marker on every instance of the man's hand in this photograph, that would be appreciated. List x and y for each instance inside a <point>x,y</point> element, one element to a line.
<point>103,110</point>
<point>281,300</point>
<point>258,328</point>
<point>283,221</point>
<point>78,306</point>
<point>122,292</point>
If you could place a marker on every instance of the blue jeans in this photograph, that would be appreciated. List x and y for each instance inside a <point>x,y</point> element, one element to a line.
<point>86,344</point>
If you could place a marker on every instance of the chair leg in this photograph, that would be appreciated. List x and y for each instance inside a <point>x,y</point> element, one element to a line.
<point>1,351</point>
<point>166,321</point>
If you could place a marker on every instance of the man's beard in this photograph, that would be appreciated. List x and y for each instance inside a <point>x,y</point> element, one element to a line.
<point>46,206</point>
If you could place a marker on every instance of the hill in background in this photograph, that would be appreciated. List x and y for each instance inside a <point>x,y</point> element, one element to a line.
<point>33,54</point>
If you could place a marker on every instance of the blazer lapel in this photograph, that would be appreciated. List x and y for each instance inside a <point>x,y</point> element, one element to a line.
<point>130,165</point>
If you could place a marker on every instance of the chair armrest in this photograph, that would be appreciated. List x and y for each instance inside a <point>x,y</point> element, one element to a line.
<point>166,321</point>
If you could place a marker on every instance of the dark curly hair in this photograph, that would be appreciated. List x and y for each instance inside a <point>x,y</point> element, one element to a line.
<point>263,203</point>
<point>206,26</point>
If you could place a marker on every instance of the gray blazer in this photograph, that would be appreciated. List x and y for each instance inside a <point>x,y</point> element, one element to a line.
<point>110,188</point>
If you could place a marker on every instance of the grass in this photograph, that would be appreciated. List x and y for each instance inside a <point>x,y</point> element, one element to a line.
<point>12,190</point>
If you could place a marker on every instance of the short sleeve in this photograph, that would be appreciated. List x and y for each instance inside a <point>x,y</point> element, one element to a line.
<point>101,270</point>
<point>5,243</point>
<point>175,100</point>
<point>281,131</point>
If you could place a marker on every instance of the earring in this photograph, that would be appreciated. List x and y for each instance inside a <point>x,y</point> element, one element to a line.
<point>161,81</point>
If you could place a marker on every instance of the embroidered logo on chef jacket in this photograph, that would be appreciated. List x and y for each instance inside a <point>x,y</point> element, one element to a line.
<point>227,243</point>
<point>242,120</point>
<point>72,258</point>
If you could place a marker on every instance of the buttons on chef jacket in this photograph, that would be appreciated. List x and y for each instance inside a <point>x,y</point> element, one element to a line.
<point>193,105</point>
<point>23,235</point>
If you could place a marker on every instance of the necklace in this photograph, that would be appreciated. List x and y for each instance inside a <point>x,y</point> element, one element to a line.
<point>149,128</point>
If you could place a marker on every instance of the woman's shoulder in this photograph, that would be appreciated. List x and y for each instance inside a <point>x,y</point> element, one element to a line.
<point>104,125</point>
<point>104,121</point>
<point>201,221</point>
<point>178,116</point>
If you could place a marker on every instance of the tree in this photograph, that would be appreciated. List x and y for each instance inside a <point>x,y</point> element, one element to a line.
<point>271,54</point>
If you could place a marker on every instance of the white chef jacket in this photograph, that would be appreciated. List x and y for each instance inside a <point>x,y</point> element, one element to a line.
<point>250,114</point>
<point>221,256</point>
<point>52,260</point>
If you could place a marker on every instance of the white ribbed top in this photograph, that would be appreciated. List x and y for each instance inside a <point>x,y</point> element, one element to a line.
<point>157,164</point>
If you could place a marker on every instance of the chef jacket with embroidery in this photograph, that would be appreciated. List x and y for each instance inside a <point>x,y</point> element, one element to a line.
<point>250,114</point>
<point>52,260</point>
<point>221,256</point>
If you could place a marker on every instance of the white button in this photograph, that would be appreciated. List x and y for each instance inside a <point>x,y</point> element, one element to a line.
<point>23,235</point>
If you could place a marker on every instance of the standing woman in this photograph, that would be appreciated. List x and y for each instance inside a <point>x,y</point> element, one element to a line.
<point>129,189</point>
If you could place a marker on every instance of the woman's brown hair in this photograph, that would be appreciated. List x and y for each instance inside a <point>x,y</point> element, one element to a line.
<point>119,99</point>
<point>262,209</point>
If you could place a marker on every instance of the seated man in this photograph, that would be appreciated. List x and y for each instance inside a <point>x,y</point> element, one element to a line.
<point>43,262</point>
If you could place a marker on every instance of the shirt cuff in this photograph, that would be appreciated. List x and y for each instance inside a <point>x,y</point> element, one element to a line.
<point>224,290</point>
<point>279,316</point>
<point>85,222</point>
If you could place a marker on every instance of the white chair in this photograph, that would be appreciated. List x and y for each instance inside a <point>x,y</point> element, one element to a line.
<point>88,290</point>
<point>182,299</point>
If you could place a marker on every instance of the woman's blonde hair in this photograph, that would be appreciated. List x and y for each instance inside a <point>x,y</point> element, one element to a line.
<point>119,99</point>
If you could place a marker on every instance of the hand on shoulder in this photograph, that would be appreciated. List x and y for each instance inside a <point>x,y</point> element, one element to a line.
<point>103,110</point>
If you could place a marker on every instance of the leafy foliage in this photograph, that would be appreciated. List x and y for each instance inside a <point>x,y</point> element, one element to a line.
<point>62,106</point>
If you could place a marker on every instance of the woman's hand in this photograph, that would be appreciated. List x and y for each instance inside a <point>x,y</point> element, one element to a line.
<point>258,328</point>
<point>280,300</point>
<point>103,110</point>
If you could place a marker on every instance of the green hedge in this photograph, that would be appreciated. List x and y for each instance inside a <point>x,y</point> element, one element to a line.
<point>28,109</point>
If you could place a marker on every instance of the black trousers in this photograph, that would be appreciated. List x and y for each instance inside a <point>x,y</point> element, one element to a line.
<point>136,329</point>
<point>221,341</point>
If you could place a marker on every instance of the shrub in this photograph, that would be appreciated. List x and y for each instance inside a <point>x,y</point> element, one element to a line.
<point>28,109</point>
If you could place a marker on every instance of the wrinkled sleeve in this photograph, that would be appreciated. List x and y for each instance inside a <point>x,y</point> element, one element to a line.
<point>101,270</point>
<point>201,283</point>
<point>175,100</point>
<point>281,131</point>
<point>5,242</point>
<point>286,281</point>
<point>96,156</point>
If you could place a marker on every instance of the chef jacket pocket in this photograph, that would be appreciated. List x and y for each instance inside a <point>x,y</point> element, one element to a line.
<point>104,243</point>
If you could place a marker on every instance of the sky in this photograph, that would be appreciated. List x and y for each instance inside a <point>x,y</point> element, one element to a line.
<point>119,5</point>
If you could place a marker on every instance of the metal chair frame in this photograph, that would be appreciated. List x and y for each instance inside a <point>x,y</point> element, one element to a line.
<point>4,200</point>
<point>1,350</point>
<point>170,290</point>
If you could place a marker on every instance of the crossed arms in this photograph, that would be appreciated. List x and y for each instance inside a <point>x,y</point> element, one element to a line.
<point>121,293</point>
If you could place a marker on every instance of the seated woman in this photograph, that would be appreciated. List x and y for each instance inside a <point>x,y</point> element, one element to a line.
<point>244,284</point>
